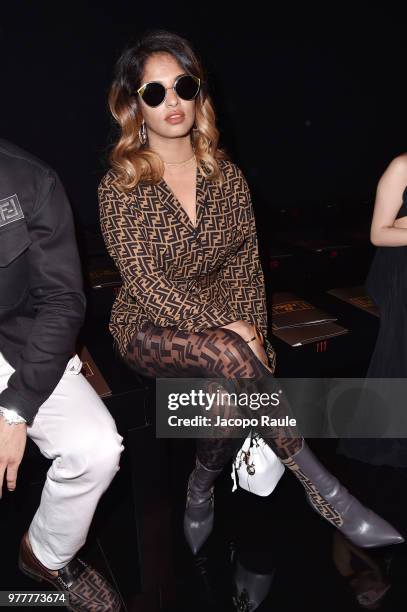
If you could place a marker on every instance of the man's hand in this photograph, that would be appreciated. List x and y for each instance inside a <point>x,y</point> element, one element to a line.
<point>12,444</point>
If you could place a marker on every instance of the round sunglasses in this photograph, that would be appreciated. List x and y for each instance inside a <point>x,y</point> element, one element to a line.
<point>186,86</point>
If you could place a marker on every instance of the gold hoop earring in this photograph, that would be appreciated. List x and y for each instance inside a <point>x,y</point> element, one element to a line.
<point>142,133</point>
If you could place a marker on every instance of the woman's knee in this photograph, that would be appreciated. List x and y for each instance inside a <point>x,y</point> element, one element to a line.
<point>231,349</point>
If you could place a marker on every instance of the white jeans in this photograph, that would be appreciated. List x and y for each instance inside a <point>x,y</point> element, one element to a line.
<point>74,429</point>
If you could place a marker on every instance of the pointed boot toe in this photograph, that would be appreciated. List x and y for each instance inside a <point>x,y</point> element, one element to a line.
<point>336,504</point>
<point>198,525</point>
<point>199,510</point>
<point>366,529</point>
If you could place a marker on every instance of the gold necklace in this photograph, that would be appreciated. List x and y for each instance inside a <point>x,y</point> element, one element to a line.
<point>180,164</point>
<point>183,163</point>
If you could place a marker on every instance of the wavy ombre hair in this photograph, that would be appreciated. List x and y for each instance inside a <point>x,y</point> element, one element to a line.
<point>133,162</point>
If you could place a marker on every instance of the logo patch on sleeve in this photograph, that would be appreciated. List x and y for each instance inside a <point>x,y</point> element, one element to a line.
<point>10,210</point>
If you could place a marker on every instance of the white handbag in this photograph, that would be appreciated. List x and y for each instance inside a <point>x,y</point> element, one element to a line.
<point>256,468</point>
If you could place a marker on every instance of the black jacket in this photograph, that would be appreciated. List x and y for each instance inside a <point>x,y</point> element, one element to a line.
<point>42,304</point>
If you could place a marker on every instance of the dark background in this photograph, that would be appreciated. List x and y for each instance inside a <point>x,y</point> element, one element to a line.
<point>311,101</point>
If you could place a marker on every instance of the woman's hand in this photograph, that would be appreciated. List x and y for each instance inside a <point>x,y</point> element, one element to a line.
<point>258,349</point>
<point>243,328</point>
<point>247,331</point>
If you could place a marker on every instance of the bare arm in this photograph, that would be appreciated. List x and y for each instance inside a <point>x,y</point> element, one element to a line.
<point>388,202</point>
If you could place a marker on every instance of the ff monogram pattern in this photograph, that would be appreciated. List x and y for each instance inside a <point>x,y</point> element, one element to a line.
<point>213,353</point>
<point>91,593</point>
<point>175,274</point>
<point>318,502</point>
<point>10,210</point>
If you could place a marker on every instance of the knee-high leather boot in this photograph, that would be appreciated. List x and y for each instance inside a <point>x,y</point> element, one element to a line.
<point>332,500</point>
<point>251,589</point>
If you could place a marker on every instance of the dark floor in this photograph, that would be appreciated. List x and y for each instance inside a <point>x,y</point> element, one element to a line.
<point>282,532</point>
<point>136,539</point>
<point>278,533</point>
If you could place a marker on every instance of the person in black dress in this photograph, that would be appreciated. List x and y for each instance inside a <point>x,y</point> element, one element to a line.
<point>387,285</point>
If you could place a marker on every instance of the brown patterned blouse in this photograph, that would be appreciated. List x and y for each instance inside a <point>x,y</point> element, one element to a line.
<point>177,275</point>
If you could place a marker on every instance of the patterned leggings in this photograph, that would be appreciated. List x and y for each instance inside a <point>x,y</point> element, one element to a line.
<point>167,352</point>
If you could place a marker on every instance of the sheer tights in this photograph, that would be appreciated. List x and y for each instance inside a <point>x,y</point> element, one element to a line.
<point>167,352</point>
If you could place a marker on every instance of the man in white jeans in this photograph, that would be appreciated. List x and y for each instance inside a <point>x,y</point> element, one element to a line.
<point>42,392</point>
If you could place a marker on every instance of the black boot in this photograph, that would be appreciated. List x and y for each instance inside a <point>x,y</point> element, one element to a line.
<point>199,511</point>
<point>330,499</point>
<point>251,589</point>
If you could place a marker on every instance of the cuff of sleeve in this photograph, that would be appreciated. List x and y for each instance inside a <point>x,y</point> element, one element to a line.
<point>11,400</point>
<point>212,317</point>
<point>11,416</point>
<point>218,318</point>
